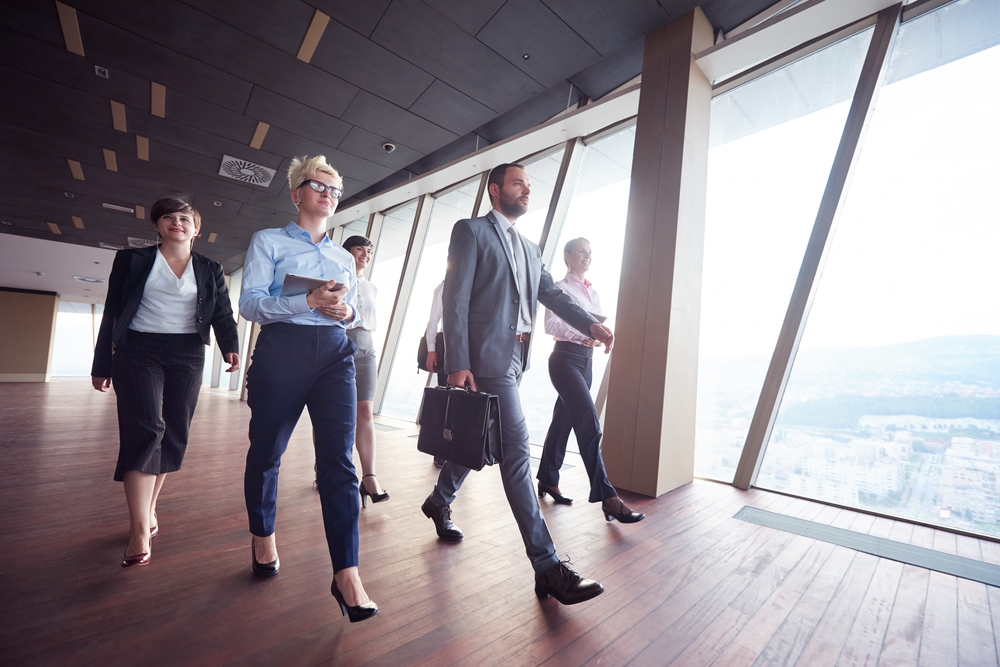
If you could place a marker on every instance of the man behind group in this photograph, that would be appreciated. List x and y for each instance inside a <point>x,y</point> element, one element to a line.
<point>493,282</point>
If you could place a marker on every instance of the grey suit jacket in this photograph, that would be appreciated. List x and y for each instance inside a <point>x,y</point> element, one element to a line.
<point>481,301</point>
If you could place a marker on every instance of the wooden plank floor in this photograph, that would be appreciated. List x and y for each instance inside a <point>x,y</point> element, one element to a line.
<point>690,585</point>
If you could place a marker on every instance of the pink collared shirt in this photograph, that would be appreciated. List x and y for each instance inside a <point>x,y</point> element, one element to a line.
<point>585,296</point>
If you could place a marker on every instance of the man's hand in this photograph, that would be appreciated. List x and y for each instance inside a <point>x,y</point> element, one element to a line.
<point>603,334</point>
<point>233,360</point>
<point>432,358</point>
<point>462,378</point>
<point>101,384</point>
<point>325,295</point>
<point>590,342</point>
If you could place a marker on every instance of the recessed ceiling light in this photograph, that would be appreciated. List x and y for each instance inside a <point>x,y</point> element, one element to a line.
<point>69,194</point>
<point>88,279</point>
<point>218,203</point>
<point>101,71</point>
<point>9,224</point>
<point>526,56</point>
<point>115,207</point>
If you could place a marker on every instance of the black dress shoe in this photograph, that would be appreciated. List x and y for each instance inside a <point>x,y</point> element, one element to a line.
<point>624,514</point>
<point>556,496</point>
<point>446,530</point>
<point>356,613</point>
<point>564,584</point>
<point>262,569</point>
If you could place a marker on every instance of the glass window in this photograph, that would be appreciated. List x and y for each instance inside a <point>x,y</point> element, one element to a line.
<point>596,212</point>
<point>406,384</point>
<point>387,263</point>
<point>542,173</point>
<point>772,144</point>
<point>893,403</point>
<point>75,338</point>
<point>358,227</point>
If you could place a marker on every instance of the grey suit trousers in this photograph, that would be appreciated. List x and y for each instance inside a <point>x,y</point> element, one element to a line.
<point>515,470</point>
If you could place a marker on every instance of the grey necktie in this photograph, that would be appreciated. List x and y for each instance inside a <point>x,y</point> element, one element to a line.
<point>521,270</point>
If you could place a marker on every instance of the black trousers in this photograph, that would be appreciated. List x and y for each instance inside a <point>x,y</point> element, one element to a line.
<point>571,371</point>
<point>295,366</point>
<point>156,378</point>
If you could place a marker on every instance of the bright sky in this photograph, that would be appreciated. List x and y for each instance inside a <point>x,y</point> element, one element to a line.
<point>915,252</point>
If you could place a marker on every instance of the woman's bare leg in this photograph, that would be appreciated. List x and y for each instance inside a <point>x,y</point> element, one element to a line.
<point>349,582</point>
<point>156,494</point>
<point>139,490</point>
<point>364,440</point>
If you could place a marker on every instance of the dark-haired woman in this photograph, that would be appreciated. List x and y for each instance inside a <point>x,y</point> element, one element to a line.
<point>366,370</point>
<point>571,371</point>
<point>162,302</point>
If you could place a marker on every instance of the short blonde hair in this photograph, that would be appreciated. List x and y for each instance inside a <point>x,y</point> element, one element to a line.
<point>303,167</point>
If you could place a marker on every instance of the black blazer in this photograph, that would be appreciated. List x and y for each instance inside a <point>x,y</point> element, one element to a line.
<point>125,287</point>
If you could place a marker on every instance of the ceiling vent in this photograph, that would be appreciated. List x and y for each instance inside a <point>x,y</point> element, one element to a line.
<point>133,242</point>
<point>248,172</point>
<point>88,279</point>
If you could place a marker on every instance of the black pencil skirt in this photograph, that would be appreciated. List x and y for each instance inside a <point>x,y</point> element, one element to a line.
<point>156,378</point>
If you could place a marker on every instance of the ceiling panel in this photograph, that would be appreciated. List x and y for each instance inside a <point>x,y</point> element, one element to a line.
<point>280,111</point>
<point>400,126</point>
<point>117,48</point>
<point>279,23</point>
<point>368,145</point>
<point>210,117</point>
<point>222,46</point>
<point>538,110</point>
<point>37,18</point>
<point>162,131</point>
<point>56,64</point>
<point>604,76</point>
<point>469,16</point>
<point>55,96</point>
<point>608,26</point>
<point>280,202</point>
<point>443,105</point>
<point>68,127</point>
<point>429,40</point>
<point>529,28</point>
<point>286,143</point>
<point>361,17</point>
<point>366,64</point>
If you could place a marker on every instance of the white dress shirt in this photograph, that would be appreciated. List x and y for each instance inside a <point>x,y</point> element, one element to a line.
<point>434,321</point>
<point>585,296</point>
<point>519,255</point>
<point>367,293</point>
<point>169,304</point>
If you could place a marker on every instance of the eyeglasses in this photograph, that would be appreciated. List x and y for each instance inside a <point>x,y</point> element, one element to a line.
<point>335,192</point>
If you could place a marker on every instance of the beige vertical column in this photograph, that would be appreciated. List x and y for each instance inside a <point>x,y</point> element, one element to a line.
<point>649,426</point>
<point>27,334</point>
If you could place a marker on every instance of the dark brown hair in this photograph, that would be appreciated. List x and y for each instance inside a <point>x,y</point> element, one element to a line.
<point>167,205</point>
<point>357,240</point>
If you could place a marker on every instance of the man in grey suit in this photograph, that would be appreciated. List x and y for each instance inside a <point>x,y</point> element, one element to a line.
<point>494,280</point>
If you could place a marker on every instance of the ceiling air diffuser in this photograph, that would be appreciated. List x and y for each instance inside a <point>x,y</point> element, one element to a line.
<point>248,172</point>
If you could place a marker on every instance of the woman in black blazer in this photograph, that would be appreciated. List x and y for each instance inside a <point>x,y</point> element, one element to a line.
<point>161,303</point>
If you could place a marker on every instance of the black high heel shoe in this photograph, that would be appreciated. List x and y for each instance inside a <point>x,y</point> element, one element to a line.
<point>376,497</point>
<point>625,514</point>
<point>262,569</point>
<point>556,496</point>
<point>355,614</point>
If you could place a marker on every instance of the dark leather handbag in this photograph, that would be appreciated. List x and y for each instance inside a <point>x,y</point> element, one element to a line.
<point>422,353</point>
<point>460,426</point>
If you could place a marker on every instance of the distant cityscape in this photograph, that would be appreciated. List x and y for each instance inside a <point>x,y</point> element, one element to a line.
<point>912,430</point>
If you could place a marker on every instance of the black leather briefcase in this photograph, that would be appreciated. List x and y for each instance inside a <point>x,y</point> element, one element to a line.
<point>461,426</point>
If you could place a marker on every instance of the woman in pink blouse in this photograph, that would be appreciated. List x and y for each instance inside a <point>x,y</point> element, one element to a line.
<point>571,371</point>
